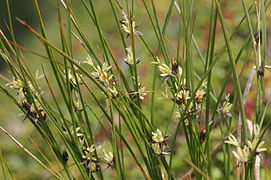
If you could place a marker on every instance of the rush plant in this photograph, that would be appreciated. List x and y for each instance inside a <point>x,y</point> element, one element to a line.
<point>178,119</point>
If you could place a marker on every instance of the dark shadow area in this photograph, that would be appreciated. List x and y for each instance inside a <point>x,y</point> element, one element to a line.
<point>23,9</point>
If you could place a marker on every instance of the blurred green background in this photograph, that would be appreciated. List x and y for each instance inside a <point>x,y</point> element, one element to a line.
<point>21,165</point>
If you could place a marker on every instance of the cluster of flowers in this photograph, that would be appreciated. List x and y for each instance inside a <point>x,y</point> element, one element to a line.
<point>29,98</point>
<point>75,79</point>
<point>158,144</point>
<point>130,57</point>
<point>225,109</point>
<point>183,95</point>
<point>102,74</point>
<point>92,156</point>
<point>169,71</point>
<point>242,154</point>
<point>91,161</point>
<point>129,26</point>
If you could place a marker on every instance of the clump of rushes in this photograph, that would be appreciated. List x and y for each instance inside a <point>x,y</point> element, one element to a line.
<point>99,96</point>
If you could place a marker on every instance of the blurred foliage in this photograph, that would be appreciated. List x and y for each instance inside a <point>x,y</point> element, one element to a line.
<point>19,162</point>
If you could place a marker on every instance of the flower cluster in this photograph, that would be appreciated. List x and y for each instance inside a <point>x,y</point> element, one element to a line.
<point>183,95</point>
<point>183,99</point>
<point>92,156</point>
<point>77,102</point>
<point>141,91</point>
<point>29,97</point>
<point>92,160</point>
<point>36,111</point>
<point>200,94</point>
<point>15,83</point>
<point>73,134</point>
<point>128,25</point>
<point>199,97</point>
<point>74,78</point>
<point>130,57</point>
<point>158,143</point>
<point>107,158</point>
<point>102,74</point>
<point>168,71</point>
<point>242,154</point>
<point>225,109</point>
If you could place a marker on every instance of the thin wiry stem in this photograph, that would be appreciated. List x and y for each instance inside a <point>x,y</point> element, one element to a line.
<point>29,153</point>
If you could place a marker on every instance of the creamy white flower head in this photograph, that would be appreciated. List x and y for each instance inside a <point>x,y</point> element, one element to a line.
<point>256,130</point>
<point>78,105</point>
<point>89,151</point>
<point>242,155</point>
<point>96,74</point>
<point>252,145</point>
<point>106,67</point>
<point>34,106</point>
<point>142,92</point>
<point>156,148</point>
<point>93,167</point>
<point>200,95</point>
<point>21,96</point>
<point>157,136</point>
<point>183,96</point>
<point>130,57</point>
<point>15,83</point>
<point>72,79</point>
<point>77,132</point>
<point>101,73</point>
<point>165,70</point>
<point>226,107</point>
<point>232,140</point>
<point>108,157</point>
<point>88,61</point>
<point>127,25</point>
<point>113,91</point>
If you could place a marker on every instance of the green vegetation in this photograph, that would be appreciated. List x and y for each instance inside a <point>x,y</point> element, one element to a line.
<point>141,89</point>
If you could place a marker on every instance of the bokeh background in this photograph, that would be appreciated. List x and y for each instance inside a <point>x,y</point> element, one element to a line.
<point>21,165</point>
